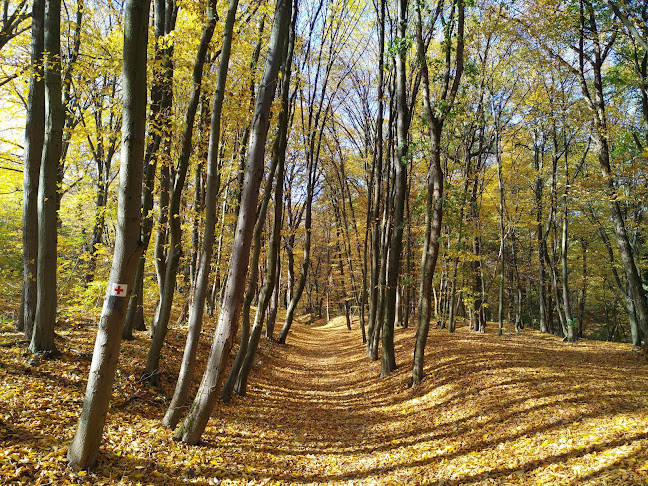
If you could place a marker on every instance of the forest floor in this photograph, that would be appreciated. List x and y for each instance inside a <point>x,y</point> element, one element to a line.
<point>518,409</point>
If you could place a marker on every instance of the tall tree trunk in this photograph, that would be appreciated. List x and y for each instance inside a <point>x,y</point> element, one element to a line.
<point>388,358</point>
<point>201,409</point>
<point>571,336</point>
<point>538,158</point>
<point>183,385</point>
<point>583,292</point>
<point>500,184</point>
<point>226,393</point>
<point>151,372</point>
<point>42,339</point>
<point>135,314</point>
<point>377,169</point>
<point>434,209</point>
<point>228,387</point>
<point>271,286</point>
<point>83,451</point>
<point>273,307</point>
<point>34,139</point>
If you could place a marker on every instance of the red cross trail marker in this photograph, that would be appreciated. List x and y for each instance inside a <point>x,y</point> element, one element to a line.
<point>118,289</point>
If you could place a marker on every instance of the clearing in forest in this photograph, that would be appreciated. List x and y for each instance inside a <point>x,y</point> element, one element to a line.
<point>518,409</point>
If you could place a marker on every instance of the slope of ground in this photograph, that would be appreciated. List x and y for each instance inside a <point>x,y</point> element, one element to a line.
<point>519,409</point>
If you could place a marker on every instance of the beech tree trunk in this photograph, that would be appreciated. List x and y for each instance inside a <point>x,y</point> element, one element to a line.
<point>196,421</point>
<point>135,315</point>
<point>42,339</point>
<point>83,451</point>
<point>271,286</point>
<point>34,139</point>
<point>374,218</point>
<point>434,211</point>
<point>538,158</point>
<point>181,393</point>
<point>388,359</point>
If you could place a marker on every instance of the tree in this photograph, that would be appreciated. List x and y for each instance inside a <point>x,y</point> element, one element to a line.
<point>388,359</point>
<point>83,451</point>
<point>436,114</point>
<point>42,339</point>
<point>196,420</point>
<point>34,138</point>
<point>181,393</point>
<point>271,284</point>
<point>158,140</point>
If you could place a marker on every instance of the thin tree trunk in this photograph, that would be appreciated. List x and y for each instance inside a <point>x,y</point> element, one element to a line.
<point>434,212</point>
<point>377,175</point>
<point>571,335</point>
<point>201,409</point>
<point>388,358</point>
<point>583,292</point>
<point>500,184</point>
<point>183,385</point>
<point>135,315</point>
<point>34,139</point>
<point>152,372</point>
<point>226,393</point>
<point>540,235</point>
<point>42,339</point>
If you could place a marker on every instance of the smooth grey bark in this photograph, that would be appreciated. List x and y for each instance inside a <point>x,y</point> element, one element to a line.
<point>226,393</point>
<point>271,285</point>
<point>434,213</point>
<point>373,219</point>
<point>583,289</point>
<point>34,139</point>
<point>84,449</point>
<point>42,339</point>
<point>385,221</point>
<point>135,315</point>
<point>551,259</point>
<point>502,263</point>
<point>228,387</point>
<point>181,393</point>
<point>196,421</point>
<point>388,358</point>
<point>571,335</point>
<point>167,251</point>
<point>152,372</point>
<point>538,160</point>
<point>273,307</point>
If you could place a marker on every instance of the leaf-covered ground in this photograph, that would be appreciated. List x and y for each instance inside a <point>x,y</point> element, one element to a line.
<point>519,409</point>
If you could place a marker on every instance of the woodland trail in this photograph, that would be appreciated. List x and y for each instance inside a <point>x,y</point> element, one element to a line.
<point>524,409</point>
<point>517,409</point>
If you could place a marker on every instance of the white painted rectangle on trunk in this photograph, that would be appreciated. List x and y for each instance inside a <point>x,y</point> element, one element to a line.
<point>118,290</point>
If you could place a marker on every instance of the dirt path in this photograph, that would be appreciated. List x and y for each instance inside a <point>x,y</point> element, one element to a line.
<point>514,410</point>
